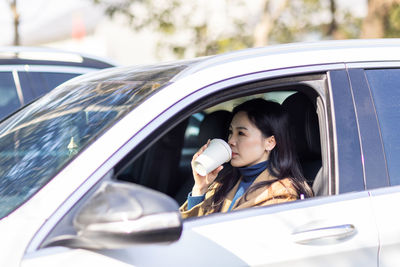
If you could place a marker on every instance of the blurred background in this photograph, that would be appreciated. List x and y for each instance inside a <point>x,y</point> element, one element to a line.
<point>146,31</point>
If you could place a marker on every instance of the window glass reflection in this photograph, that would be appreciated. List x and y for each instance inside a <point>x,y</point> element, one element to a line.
<point>385,90</point>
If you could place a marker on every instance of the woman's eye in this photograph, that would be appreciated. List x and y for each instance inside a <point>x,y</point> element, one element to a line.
<point>241,133</point>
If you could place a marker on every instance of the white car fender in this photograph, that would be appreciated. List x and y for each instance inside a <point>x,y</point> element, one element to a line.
<point>63,257</point>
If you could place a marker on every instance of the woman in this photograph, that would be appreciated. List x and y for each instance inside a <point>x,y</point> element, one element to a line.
<point>264,169</point>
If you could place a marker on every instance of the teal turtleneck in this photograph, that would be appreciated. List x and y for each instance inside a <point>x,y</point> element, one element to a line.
<point>249,174</point>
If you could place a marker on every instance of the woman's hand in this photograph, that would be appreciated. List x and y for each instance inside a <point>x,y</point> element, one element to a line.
<point>201,183</point>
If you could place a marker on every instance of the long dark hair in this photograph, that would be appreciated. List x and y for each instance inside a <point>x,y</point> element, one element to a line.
<point>271,119</point>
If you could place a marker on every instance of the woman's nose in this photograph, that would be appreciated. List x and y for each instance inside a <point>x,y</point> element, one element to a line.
<point>231,141</point>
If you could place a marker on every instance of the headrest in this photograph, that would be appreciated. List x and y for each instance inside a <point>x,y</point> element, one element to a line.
<point>214,125</point>
<point>303,121</point>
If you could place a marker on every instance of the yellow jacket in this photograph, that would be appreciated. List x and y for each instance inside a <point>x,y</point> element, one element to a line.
<point>278,192</point>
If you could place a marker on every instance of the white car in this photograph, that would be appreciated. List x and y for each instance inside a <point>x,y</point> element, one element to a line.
<point>93,173</point>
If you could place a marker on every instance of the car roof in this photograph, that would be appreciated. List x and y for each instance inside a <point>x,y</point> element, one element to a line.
<point>19,55</point>
<point>305,53</point>
<point>273,57</point>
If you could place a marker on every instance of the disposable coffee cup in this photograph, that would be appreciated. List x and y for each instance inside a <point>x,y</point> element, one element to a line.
<point>217,153</point>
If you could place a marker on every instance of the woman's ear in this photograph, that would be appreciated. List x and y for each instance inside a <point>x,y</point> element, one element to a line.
<point>270,143</point>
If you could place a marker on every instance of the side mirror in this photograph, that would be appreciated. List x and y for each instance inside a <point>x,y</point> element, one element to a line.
<point>120,214</point>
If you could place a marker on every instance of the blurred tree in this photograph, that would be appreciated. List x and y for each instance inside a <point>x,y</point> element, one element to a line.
<point>15,13</point>
<point>299,20</point>
<point>193,28</point>
<point>382,20</point>
<point>183,23</point>
<point>269,18</point>
<point>392,21</point>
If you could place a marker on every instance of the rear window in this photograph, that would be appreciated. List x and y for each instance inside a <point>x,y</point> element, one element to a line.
<point>40,83</point>
<point>385,88</point>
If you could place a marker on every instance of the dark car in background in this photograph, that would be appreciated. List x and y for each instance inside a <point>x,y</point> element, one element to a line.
<point>26,73</point>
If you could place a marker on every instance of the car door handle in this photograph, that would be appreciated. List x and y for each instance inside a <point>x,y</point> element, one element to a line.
<point>324,235</point>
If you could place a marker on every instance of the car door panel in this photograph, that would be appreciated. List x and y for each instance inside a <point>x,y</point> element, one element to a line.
<point>275,239</point>
<point>64,257</point>
<point>273,236</point>
<point>387,220</point>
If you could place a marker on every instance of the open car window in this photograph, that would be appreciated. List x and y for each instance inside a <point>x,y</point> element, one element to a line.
<point>165,165</point>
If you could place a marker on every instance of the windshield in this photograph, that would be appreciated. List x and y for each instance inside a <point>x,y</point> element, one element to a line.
<point>37,142</point>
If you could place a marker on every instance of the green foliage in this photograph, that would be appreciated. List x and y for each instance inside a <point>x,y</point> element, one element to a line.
<point>301,20</point>
<point>227,44</point>
<point>188,29</point>
<point>350,28</point>
<point>392,22</point>
<point>143,13</point>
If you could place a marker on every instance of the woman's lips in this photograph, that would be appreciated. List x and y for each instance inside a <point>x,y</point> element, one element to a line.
<point>234,154</point>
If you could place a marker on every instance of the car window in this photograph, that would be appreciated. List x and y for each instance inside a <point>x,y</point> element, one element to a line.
<point>192,130</point>
<point>9,100</point>
<point>43,82</point>
<point>385,89</point>
<point>173,152</point>
<point>36,84</point>
<point>193,140</point>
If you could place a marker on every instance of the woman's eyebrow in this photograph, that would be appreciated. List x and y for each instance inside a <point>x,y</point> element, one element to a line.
<point>237,127</point>
<point>241,128</point>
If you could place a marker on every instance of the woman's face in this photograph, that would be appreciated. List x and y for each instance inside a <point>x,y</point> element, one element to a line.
<point>249,146</point>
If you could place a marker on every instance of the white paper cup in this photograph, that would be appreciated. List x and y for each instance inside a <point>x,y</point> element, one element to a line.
<point>217,153</point>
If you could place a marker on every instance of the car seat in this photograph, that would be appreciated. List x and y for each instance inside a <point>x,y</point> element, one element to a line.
<point>157,168</point>
<point>213,125</point>
<point>304,125</point>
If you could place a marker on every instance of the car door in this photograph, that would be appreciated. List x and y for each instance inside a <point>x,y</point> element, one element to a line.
<point>337,230</point>
<point>383,82</point>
